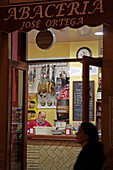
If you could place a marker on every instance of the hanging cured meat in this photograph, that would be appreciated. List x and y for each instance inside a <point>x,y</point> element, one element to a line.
<point>47,80</point>
<point>52,88</point>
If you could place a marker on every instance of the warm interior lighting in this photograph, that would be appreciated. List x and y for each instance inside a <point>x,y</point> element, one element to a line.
<point>98,33</point>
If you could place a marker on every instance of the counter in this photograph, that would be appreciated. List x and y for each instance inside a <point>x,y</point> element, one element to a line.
<point>53,152</point>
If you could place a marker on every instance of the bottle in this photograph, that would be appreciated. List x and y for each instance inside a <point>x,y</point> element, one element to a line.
<point>64,76</point>
<point>68,130</point>
<point>99,93</point>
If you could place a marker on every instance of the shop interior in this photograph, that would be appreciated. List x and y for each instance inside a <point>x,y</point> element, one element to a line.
<point>67,44</point>
<point>54,78</point>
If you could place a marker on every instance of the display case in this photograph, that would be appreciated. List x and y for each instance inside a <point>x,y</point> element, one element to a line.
<point>48,88</point>
<point>32,106</point>
<point>98,116</point>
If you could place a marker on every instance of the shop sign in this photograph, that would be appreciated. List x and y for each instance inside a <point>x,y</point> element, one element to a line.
<point>54,14</point>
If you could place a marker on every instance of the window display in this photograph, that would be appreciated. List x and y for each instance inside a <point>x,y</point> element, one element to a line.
<point>48,87</point>
<point>49,84</point>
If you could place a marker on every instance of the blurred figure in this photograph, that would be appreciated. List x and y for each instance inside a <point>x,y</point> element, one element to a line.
<point>91,156</point>
<point>40,121</point>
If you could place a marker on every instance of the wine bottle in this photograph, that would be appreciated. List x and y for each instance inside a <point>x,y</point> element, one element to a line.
<point>99,93</point>
<point>64,76</point>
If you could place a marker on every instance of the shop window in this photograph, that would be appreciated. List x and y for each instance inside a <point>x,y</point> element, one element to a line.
<point>50,87</point>
<point>67,44</point>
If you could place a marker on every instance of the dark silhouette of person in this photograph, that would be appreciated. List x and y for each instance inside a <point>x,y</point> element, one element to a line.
<point>91,157</point>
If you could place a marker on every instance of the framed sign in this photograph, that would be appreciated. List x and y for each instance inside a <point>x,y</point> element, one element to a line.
<point>77,100</point>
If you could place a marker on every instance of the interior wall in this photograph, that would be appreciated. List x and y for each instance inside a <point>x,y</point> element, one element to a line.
<point>93,45</point>
<point>58,50</point>
<point>50,115</point>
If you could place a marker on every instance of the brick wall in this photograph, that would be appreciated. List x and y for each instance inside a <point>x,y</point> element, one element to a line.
<point>51,155</point>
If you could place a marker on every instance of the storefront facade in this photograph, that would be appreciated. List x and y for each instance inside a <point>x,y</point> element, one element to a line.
<point>41,16</point>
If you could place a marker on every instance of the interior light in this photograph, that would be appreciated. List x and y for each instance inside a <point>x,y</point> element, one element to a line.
<point>98,33</point>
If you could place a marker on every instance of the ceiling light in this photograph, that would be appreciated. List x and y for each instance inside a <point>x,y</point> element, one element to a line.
<point>85,30</point>
<point>98,33</point>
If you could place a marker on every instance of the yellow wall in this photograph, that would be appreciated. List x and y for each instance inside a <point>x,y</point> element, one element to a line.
<point>65,50</point>
<point>50,115</point>
<point>58,50</point>
<point>93,45</point>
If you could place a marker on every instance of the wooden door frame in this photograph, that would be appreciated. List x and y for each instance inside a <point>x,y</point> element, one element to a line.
<point>86,62</point>
<point>22,66</point>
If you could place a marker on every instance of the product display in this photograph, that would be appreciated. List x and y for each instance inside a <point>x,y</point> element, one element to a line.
<point>52,88</point>
<point>99,95</point>
<point>98,116</point>
<point>32,106</point>
<point>16,132</point>
<point>50,84</point>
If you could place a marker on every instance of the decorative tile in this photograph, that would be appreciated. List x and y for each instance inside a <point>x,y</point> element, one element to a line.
<point>52,155</point>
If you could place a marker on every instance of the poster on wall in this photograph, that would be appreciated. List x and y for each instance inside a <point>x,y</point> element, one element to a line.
<point>77,100</point>
<point>50,82</point>
<point>62,94</point>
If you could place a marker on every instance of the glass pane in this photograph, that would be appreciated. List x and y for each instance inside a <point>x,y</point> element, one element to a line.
<point>68,44</point>
<point>51,88</point>
<point>48,88</point>
<point>95,95</point>
<point>16,121</point>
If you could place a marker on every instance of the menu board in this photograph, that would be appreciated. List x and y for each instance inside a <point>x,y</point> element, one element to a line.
<point>77,100</point>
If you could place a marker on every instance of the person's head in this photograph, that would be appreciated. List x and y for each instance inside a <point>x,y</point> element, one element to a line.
<point>41,116</point>
<point>87,133</point>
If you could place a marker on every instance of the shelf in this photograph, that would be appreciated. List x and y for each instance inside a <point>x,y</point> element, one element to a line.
<point>33,97</point>
<point>16,123</point>
<point>32,111</point>
<point>98,115</point>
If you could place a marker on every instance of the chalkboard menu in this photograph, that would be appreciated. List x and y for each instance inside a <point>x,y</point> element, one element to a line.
<point>77,100</point>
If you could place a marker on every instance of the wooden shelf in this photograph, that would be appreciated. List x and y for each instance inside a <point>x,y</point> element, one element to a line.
<point>52,137</point>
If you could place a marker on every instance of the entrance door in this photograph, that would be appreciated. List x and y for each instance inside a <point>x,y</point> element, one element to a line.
<point>17,116</point>
<point>87,61</point>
